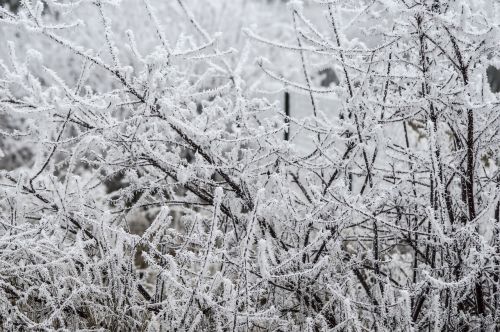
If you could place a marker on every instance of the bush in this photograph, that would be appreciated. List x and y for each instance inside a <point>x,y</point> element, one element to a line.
<point>158,192</point>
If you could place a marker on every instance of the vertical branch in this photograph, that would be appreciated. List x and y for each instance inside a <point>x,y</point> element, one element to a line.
<point>159,31</point>
<point>496,260</point>
<point>480,306</point>
<point>287,116</point>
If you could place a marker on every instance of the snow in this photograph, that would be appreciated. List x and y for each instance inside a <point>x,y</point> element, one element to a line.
<point>146,181</point>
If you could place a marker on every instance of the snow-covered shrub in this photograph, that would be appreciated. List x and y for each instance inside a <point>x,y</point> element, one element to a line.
<point>403,162</point>
<point>380,212</point>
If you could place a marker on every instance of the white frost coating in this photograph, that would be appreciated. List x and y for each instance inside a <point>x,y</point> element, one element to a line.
<point>152,187</point>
